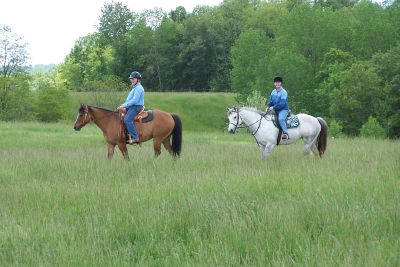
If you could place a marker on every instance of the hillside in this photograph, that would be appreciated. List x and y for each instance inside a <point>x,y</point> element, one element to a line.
<point>198,111</point>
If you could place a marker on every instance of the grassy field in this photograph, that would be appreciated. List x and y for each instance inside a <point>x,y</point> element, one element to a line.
<point>63,203</point>
<point>198,111</point>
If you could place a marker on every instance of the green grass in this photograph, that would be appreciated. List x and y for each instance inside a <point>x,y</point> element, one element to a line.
<point>63,203</point>
<point>198,111</point>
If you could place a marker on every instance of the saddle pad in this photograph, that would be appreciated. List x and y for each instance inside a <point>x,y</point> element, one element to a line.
<point>139,118</point>
<point>291,122</point>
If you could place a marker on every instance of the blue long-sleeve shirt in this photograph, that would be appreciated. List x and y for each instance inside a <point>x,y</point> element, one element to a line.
<point>135,97</point>
<point>278,100</point>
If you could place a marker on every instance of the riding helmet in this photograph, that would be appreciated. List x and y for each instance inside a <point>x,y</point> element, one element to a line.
<point>278,79</point>
<point>135,74</point>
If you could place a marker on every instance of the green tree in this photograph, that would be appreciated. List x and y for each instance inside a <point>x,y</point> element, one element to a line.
<point>16,100</point>
<point>178,15</point>
<point>247,56</point>
<point>312,31</point>
<point>335,61</point>
<point>88,61</point>
<point>356,97</point>
<point>13,54</point>
<point>167,39</point>
<point>375,30</point>
<point>387,66</point>
<point>115,20</point>
<point>133,52</point>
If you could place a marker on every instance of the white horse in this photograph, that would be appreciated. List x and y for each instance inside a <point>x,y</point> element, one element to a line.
<point>314,131</point>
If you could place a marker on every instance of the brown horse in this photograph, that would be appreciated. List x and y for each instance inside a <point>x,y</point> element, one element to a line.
<point>161,128</point>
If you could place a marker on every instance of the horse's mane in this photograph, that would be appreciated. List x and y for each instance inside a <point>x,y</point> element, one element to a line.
<point>105,109</point>
<point>253,109</point>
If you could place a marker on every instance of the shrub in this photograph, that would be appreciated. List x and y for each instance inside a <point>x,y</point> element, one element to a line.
<point>107,84</point>
<point>372,128</point>
<point>52,104</point>
<point>256,100</point>
<point>335,129</point>
<point>16,100</point>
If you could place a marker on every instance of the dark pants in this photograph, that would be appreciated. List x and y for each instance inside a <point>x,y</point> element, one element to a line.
<point>128,120</point>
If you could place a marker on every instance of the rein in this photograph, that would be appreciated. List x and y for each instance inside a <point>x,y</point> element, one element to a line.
<point>96,119</point>
<point>248,126</point>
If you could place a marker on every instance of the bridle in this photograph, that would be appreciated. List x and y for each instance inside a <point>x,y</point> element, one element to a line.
<point>237,120</point>
<point>92,118</point>
<point>235,109</point>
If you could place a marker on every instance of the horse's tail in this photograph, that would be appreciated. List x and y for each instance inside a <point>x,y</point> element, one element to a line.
<point>322,137</point>
<point>177,136</point>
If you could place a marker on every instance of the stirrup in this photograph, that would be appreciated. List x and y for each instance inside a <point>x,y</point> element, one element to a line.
<point>285,136</point>
<point>133,141</point>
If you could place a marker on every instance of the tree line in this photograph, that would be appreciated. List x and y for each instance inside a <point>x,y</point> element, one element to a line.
<point>339,58</point>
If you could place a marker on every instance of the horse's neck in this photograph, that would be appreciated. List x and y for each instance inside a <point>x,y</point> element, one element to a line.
<point>249,117</point>
<point>102,119</point>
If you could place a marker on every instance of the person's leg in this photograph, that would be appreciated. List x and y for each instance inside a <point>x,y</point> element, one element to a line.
<point>128,120</point>
<point>282,121</point>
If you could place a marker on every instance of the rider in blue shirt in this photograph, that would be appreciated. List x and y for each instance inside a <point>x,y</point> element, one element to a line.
<point>278,101</point>
<point>134,104</point>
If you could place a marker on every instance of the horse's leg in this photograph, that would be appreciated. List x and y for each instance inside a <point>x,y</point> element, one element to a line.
<point>307,145</point>
<point>310,145</point>
<point>167,144</point>
<point>268,148</point>
<point>314,149</point>
<point>261,147</point>
<point>110,150</point>
<point>157,146</point>
<point>124,150</point>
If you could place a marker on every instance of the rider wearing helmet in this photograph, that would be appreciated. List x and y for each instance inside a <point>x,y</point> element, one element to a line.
<point>278,101</point>
<point>134,104</point>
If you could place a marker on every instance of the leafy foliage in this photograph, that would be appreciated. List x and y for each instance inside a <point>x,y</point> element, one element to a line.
<point>16,100</point>
<point>335,129</point>
<point>356,97</point>
<point>372,128</point>
<point>256,100</point>
<point>13,53</point>
<point>52,104</point>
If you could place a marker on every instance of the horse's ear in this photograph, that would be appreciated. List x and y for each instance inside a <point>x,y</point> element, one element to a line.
<point>83,108</point>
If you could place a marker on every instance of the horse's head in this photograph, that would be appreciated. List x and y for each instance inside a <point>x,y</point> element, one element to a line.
<point>82,118</point>
<point>234,119</point>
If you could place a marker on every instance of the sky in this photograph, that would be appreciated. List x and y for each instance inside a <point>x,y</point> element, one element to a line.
<point>51,27</point>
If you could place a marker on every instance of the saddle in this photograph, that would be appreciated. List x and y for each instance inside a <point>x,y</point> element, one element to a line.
<point>292,121</point>
<point>143,116</point>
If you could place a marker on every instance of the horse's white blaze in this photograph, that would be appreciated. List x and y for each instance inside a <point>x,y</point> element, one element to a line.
<point>266,133</point>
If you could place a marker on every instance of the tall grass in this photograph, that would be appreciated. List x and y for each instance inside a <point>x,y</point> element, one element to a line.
<point>63,203</point>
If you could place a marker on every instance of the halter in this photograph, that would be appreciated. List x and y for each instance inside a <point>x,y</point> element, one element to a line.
<point>247,126</point>
<point>237,120</point>
<point>92,118</point>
